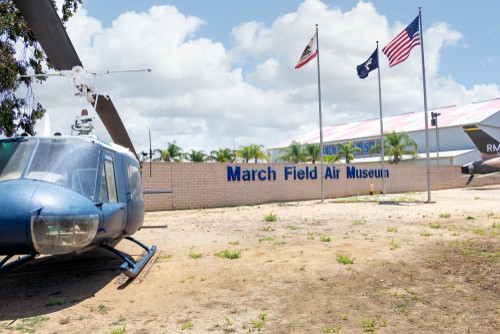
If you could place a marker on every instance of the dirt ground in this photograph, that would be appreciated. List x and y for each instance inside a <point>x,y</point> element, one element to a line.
<point>416,268</point>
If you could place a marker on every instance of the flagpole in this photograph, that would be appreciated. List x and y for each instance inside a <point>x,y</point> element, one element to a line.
<point>320,121</point>
<point>382,145</point>
<point>425,107</point>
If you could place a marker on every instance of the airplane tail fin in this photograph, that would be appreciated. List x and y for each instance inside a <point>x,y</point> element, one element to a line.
<point>487,145</point>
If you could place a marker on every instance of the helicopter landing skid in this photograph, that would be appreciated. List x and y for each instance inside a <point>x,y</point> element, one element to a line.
<point>129,267</point>
<point>6,267</point>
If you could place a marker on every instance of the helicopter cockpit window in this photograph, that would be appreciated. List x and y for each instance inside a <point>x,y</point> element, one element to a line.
<point>71,164</point>
<point>13,158</point>
<point>108,184</point>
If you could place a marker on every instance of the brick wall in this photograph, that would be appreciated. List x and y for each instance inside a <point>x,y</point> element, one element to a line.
<point>206,185</point>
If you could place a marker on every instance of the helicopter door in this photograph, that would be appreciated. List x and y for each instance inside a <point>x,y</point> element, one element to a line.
<point>135,199</point>
<point>114,211</point>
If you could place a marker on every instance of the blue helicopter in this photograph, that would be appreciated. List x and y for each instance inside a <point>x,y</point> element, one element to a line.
<point>66,194</point>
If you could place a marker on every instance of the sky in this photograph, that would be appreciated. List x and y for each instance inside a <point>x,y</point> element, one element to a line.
<point>223,71</point>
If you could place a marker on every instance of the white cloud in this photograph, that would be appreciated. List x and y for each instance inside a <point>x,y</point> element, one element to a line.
<point>208,96</point>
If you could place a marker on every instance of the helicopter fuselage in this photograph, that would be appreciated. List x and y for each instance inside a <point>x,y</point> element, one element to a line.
<point>66,194</point>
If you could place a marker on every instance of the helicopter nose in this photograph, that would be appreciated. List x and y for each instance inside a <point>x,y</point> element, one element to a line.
<point>15,197</point>
<point>61,220</point>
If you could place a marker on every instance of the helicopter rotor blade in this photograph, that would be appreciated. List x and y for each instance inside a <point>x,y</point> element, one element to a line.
<point>107,112</point>
<point>48,29</point>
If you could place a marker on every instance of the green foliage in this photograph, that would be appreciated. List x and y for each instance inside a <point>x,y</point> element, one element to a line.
<point>195,156</point>
<point>347,151</point>
<point>119,330</point>
<point>332,329</point>
<point>28,325</point>
<point>195,256</point>
<point>368,326</point>
<point>312,151</point>
<point>187,325</point>
<point>293,153</point>
<point>172,153</point>
<point>225,254</point>
<point>54,301</point>
<point>325,238</point>
<point>344,259</point>
<point>397,144</point>
<point>271,217</point>
<point>444,215</point>
<point>358,222</point>
<point>222,155</point>
<point>435,225</point>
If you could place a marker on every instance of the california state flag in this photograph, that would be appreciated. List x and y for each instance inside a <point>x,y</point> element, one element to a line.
<point>309,53</point>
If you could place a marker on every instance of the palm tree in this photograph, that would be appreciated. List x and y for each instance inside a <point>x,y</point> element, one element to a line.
<point>222,155</point>
<point>293,153</point>
<point>245,153</point>
<point>195,156</point>
<point>347,150</point>
<point>312,152</point>
<point>164,155</point>
<point>257,153</point>
<point>172,153</point>
<point>331,158</point>
<point>397,144</point>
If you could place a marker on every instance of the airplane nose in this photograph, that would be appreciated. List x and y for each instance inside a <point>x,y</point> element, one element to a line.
<point>15,197</point>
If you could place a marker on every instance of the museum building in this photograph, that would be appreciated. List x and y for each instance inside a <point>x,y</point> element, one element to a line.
<point>448,143</point>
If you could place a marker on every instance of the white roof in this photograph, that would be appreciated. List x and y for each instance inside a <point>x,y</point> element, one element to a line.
<point>450,116</point>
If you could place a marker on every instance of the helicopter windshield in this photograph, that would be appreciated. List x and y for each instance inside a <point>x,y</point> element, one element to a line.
<point>13,157</point>
<point>68,163</point>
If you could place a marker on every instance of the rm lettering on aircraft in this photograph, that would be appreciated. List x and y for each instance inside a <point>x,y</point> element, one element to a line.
<point>299,173</point>
<point>492,148</point>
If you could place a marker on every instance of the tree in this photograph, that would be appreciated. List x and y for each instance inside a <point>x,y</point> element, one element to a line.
<point>21,114</point>
<point>347,150</point>
<point>245,153</point>
<point>397,144</point>
<point>172,153</point>
<point>331,158</point>
<point>222,155</point>
<point>257,153</point>
<point>293,153</point>
<point>312,151</point>
<point>195,156</point>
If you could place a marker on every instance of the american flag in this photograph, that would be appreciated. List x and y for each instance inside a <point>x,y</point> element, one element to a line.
<point>399,48</point>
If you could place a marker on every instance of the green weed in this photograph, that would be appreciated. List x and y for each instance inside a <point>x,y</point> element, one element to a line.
<point>225,254</point>
<point>444,215</point>
<point>394,245</point>
<point>343,259</point>
<point>332,329</point>
<point>54,301</point>
<point>195,256</point>
<point>119,330</point>
<point>325,238</point>
<point>426,234</point>
<point>187,325</point>
<point>28,325</point>
<point>266,238</point>
<point>392,229</point>
<point>435,225</point>
<point>234,243</point>
<point>368,326</point>
<point>358,222</point>
<point>103,309</point>
<point>271,217</point>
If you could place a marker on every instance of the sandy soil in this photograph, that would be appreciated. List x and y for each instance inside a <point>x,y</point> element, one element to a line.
<point>417,268</point>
